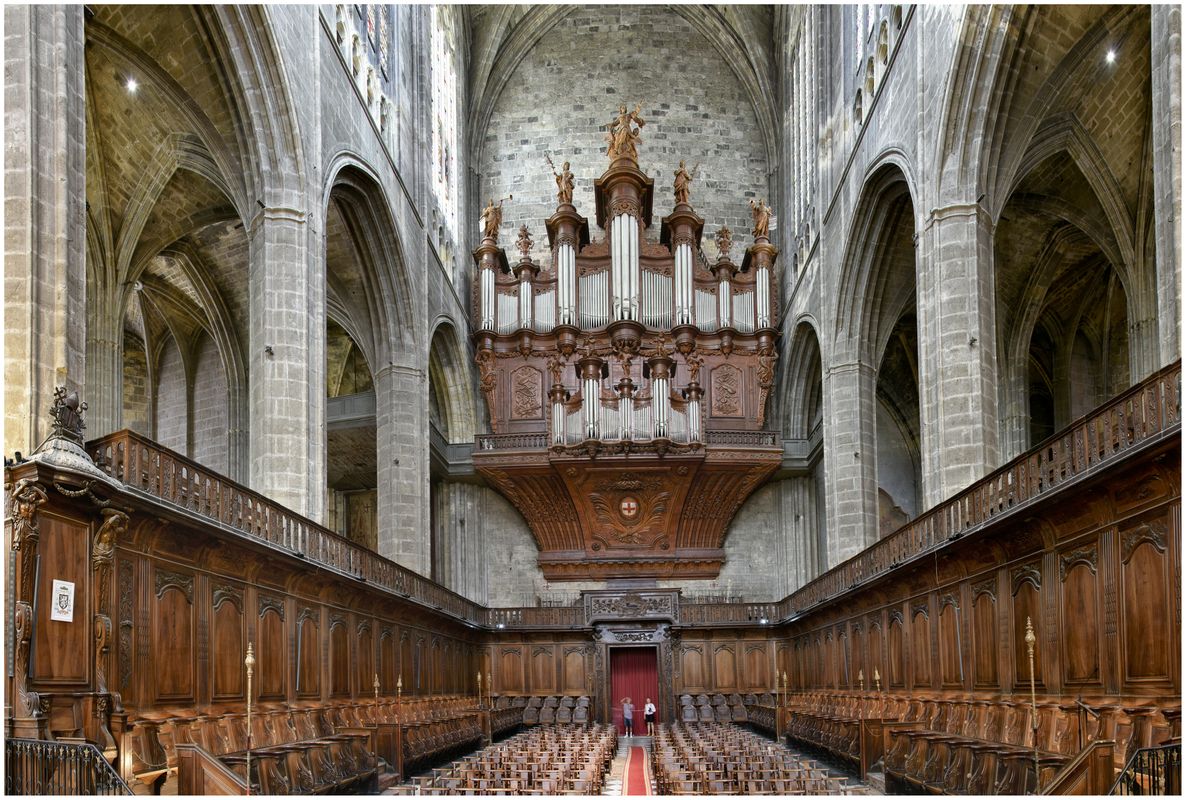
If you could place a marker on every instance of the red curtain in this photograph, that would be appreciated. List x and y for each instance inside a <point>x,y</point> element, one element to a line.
<point>634,673</point>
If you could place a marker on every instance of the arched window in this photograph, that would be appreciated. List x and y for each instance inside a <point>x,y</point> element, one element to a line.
<point>444,112</point>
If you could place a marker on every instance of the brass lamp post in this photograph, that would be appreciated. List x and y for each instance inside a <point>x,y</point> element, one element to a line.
<point>376,684</point>
<point>249,662</point>
<point>479,689</point>
<point>1030,641</point>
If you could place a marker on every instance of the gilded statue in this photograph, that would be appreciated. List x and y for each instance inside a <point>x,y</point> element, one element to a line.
<point>492,218</point>
<point>564,182</point>
<point>683,184</point>
<point>761,213</point>
<point>623,136</point>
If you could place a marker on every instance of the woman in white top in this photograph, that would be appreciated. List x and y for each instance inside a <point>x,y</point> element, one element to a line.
<point>649,714</point>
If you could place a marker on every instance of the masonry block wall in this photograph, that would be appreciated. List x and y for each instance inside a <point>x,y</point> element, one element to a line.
<point>561,96</point>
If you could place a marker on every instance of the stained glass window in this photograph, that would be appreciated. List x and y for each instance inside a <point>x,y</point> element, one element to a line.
<point>444,104</point>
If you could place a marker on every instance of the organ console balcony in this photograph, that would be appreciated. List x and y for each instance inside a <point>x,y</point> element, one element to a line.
<point>627,380</point>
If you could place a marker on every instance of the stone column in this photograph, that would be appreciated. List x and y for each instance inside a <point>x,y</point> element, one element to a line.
<point>285,354</point>
<point>957,360</point>
<point>1166,25</point>
<point>401,408</point>
<point>800,528</point>
<point>44,216</point>
<point>850,432</point>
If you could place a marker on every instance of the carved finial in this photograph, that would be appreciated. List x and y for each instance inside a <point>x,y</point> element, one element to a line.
<point>761,214</point>
<point>67,414</point>
<point>724,239</point>
<point>524,243</point>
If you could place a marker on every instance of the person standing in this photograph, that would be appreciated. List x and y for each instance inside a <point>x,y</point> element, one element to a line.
<point>628,716</point>
<point>648,712</point>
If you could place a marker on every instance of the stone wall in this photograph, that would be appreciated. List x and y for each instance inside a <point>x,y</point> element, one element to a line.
<point>562,95</point>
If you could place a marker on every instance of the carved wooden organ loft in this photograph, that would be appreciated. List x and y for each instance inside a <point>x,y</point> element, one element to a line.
<point>627,380</point>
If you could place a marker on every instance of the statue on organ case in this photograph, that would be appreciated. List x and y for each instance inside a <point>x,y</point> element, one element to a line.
<point>761,213</point>
<point>564,182</point>
<point>683,183</point>
<point>623,137</point>
<point>492,218</point>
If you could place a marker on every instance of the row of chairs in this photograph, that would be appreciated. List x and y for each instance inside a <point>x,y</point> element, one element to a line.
<point>545,701</point>
<point>152,737</point>
<point>720,758</point>
<point>546,760</point>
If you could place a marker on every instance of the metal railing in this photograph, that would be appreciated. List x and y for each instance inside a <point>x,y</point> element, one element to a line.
<point>38,766</point>
<point>1151,771</point>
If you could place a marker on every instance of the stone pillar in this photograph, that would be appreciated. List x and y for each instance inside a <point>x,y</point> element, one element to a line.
<point>104,362</point>
<point>44,216</point>
<point>1166,31</point>
<point>401,408</point>
<point>957,359</point>
<point>800,528</point>
<point>850,431</point>
<point>286,351</point>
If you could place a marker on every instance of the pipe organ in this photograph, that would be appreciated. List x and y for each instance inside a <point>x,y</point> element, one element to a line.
<point>627,379</point>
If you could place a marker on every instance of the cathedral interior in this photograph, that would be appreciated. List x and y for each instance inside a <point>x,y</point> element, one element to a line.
<point>574,399</point>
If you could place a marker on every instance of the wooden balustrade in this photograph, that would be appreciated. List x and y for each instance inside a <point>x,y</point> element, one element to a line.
<point>146,467</point>
<point>1145,413</point>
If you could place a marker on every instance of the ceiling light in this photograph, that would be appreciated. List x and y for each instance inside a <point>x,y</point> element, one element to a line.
<point>1111,57</point>
<point>132,86</point>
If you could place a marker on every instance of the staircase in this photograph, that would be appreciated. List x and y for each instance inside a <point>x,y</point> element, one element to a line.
<point>1152,771</point>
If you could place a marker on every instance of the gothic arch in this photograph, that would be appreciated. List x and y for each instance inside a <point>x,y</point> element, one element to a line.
<point>803,381</point>
<point>384,316</point>
<point>451,384</point>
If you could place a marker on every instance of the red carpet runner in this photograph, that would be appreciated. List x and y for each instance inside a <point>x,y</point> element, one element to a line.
<point>635,781</point>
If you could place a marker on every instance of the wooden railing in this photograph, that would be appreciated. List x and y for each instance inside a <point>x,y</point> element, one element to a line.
<point>147,467</point>
<point>1143,413</point>
<point>727,613</point>
<point>537,617</point>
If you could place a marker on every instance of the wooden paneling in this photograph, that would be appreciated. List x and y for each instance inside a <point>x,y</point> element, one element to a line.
<point>308,661</point>
<point>173,636</point>
<point>510,670</point>
<point>1147,627</point>
<point>1080,617</point>
<point>693,668</point>
<point>576,677</point>
<point>543,669</point>
<point>724,668</point>
<point>984,635</point>
<point>271,652</point>
<point>226,644</point>
<point>61,650</point>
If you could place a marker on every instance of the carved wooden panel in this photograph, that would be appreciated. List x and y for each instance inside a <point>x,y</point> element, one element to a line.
<point>897,663</point>
<point>575,672</point>
<point>950,663</point>
<point>527,395</point>
<point>405,661</point>
<point>227,647</point>
<point>724,667</point>
<point>364,659</point>
<point>984,638</point>
<point>727,392</point>
<point>308,677</point>
<point>510,669</point>
<point>1027,603</point>
<point>1080,617</point>
<point>173,627</point>
<point>543,670</point>
<point>61,650</point>
<point>757,668</point>
<point>271,652</point>
<point>1147,624</point>
<point>920,646</point>
<point>692,667</point>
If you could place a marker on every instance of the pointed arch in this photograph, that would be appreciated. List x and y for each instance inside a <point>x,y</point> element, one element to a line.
<point>451,384</point>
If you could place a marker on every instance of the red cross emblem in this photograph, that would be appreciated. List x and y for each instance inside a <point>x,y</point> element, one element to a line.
<point>629,507</point>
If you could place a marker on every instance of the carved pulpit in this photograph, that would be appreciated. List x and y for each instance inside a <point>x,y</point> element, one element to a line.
<point>627,380</point>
